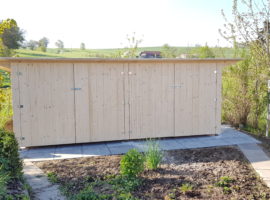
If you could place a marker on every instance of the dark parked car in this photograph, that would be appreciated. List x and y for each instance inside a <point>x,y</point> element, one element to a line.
<point>150,54</point>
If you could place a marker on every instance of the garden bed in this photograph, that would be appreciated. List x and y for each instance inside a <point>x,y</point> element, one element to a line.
<point>208,173</point>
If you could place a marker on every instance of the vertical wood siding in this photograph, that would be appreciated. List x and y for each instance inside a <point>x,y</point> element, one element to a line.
<point>104,101</point>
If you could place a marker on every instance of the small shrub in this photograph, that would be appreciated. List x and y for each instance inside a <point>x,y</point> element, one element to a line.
<point>52,177</point>
<point>154,155</point>
<point>225,181</point>
<point>132,163</point>
<point>10,161</point>
<point>186,187</point>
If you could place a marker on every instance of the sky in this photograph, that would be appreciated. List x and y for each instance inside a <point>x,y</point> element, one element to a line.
<point>106,23</point>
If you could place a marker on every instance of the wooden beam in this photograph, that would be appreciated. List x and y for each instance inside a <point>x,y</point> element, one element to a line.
<point>118,60</point>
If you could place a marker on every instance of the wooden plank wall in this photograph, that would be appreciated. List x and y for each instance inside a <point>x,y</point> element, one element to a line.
<point>46,116</point>
<point>104,101</point>
<point>151,100</point>
<point>99,103</point>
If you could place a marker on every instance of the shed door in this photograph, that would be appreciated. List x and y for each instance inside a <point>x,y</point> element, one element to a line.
<point>150,93</point>
<point>99,100</point>
<point>195,99</point>
<point>47,103</point>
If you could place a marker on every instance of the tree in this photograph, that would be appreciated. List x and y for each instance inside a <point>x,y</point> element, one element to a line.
<point>11,37</point>
<point>205,52</point>
<point>82,46</point>
<point>59,44</point>
<point>250,29</point>
<point>168,51</point>
<point>32,44</point>
<point>43,44</point>
<point>250,25</point>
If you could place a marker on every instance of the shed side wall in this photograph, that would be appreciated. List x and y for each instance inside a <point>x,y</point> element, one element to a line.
<point>88,102</point>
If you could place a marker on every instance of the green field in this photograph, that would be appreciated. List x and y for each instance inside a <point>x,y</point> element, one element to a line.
<point>114,53</point>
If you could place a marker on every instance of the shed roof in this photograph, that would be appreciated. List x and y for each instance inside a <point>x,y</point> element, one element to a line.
<point>5,61</point>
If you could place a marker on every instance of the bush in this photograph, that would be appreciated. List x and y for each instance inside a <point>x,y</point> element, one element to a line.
<point>132,163</point>
<point>9,156</point>
<point>3,182</point>
<point>154,155</point>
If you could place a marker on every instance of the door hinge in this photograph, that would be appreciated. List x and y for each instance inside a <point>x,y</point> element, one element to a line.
<point>19,73</point>
<point>20,106</point>
<point>22,138</point>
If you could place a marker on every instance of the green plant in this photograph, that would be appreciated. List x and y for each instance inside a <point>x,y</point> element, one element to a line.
<point>225,183</point>
<point>153,155</point>
<point>124,184</point>
<point>186,187</point>
<point>52,177</point>
<point>89,194</point>
<point>10,161</point>
<point>227,190</point>
<point>3,183</point>
<point>132,163</point>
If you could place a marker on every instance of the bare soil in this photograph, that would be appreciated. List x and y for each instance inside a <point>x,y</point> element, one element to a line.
<point>201,168</point>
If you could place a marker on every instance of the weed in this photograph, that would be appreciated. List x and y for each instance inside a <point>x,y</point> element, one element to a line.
<point>89,194</point>
<point>225,181</point>
<point>186,187</point>
<point>119,187</point>
<point>154,155</point>
<point>132,163</point>
<point>52,177</point>
<point>227,190</point>
<point>171,195</point>
<point>125,184</point>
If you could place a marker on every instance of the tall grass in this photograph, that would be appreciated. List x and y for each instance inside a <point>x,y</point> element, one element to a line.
<point>153,155</point>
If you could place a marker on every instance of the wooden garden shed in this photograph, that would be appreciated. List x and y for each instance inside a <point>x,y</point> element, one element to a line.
<point>65,101</point>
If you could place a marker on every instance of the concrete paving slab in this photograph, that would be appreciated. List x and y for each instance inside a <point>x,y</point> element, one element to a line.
<point>38,156</point>
<point>141,146</point>
<point>258,159</point>
<point>65,152</point>
<point>41,187</point>
<point>119,148</point>
<point>51,193</point>
<point>170,144</point>
<point>229,136</point>
<point>95,150</point>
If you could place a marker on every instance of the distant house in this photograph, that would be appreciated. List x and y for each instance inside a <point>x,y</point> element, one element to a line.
<point>150,54</point>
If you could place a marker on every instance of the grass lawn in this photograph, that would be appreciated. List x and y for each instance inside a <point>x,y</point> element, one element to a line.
<point>111,53</point>
<point>208,173</point>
